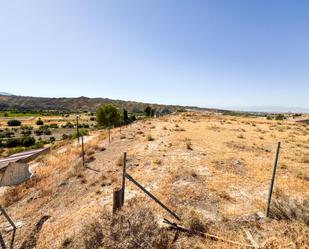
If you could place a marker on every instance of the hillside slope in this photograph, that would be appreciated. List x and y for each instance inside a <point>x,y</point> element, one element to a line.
<point>23,103</point>
<point>212,170</point>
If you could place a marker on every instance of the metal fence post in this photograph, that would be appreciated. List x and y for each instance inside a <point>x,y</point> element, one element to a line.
<point>124,175</point>
<point>271,186</point>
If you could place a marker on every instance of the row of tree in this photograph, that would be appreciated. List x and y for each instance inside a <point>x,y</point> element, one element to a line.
<point>109,115</point>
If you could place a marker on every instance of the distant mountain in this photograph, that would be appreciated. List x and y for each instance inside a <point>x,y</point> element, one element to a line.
<point>270,109</point>
<point>23,103</point>
<point>5,94</point>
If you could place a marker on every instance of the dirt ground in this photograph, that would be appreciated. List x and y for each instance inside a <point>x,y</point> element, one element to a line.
<point>216,166</point>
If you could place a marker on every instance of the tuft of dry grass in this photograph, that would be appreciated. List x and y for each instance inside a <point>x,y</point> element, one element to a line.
<point>194,221</point>
<point>93,236</point>
<point>132,227</point>
<point>285,208</point>
<point>149,137</point>
<point>188,144</point>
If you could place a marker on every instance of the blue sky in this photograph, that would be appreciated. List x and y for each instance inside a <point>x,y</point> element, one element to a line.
<point>204,53</point>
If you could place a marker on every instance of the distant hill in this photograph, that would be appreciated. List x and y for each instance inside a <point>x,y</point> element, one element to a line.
<point>269,109</point>
<point>5,94</point>
<point>23,103</point>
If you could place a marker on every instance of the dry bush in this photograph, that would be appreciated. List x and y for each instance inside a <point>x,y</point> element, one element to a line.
<point>188,144</point>
<point>119,161</point>
<point>90,152</point>
<point>304,159</point>
<point>302,175</point>
<point>287,235</point>
<point>158,161</point>
<point>133,227</point>
<point>10,196</point>
<point>285,208</point>
<point>241,136</point>
<point>93,235</point>
<point>89,159</point>
<point>149,137</point>
<point>194,222</point>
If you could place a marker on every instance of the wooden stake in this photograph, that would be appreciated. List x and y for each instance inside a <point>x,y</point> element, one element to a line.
<point>117,200</point>
<point>271,186</point>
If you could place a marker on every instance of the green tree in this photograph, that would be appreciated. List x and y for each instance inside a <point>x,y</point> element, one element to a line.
<point>148,111</point>
<point>125,117</point>
<point>108,115</point>
<point>152,112</point>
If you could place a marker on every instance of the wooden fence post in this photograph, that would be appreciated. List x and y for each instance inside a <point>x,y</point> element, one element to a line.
<point>124,165</point>
<point>109,135</point>
<point>271,186</point>
<point>117,200</point>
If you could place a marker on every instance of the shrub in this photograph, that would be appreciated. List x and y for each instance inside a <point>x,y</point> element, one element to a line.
<point>28,141</point>
<point>26,132</point>
<point>55,126</point>
<point>39,122</point>
<point>14,122</point>
<point>13,142</point>
<point>65,136</point>
<point>133,227</point>
<point>52,139</point>
<point>284,208</point>
<point>279,117</point>
<point>68,125</point>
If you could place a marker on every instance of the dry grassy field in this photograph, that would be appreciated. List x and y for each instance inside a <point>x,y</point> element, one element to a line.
<point>212,170</point>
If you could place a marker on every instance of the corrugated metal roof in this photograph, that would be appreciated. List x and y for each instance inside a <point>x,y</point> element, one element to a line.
<point>22,157</point>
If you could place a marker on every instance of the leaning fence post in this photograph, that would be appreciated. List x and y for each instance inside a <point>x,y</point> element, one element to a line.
<point>117,200</point>
<point>271,186</point>
<point>83,151</point>
<point>124,165</point>
<point>7,217</point>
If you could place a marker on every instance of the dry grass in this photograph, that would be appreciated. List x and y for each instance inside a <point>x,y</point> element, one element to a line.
<point>219,187</point>
<point>149,137</point>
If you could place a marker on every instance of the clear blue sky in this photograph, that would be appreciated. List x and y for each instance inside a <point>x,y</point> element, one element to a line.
<point>204,53</point>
